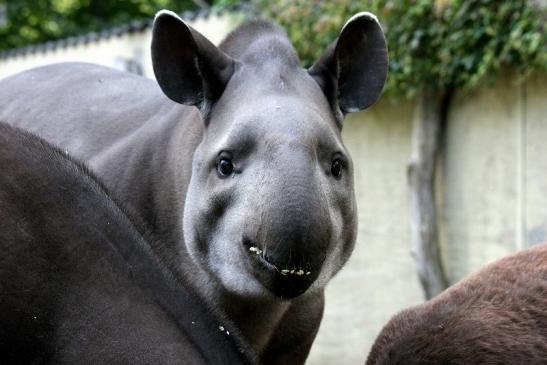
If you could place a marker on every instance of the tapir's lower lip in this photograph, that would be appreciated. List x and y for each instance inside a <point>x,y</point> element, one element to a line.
<point>285,282</point>
<point>261,256</point>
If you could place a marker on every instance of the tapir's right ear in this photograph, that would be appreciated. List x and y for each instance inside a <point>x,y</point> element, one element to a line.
<point>188,67</point>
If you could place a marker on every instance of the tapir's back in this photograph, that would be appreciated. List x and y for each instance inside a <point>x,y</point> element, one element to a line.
<point>84,108</point>
<point>497,315</point>
<point>120,124</point>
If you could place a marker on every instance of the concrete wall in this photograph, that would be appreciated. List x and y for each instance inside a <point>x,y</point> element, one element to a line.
<point>492,200</point>
<point>495,174</point>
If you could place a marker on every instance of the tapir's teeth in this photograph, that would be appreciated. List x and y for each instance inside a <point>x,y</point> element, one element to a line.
<point>222,329</point>
<point>295,272</point>
<point>255,250</point>
<point>298,272</point>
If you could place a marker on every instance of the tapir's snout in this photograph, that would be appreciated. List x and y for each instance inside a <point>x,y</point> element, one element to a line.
<point>291,244</point>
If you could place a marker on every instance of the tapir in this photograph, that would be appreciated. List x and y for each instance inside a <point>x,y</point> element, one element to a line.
<point>79,282</point>
<point>497,315</point>
<point>233,158</point>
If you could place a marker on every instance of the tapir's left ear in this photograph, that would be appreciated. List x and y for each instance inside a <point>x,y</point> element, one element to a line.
<point>188,67</point>
<point>353,69</point>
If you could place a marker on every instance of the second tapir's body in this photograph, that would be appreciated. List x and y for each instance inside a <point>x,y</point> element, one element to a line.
<point>252,192</point>
<point>79,283</point>
<point>496,316</point>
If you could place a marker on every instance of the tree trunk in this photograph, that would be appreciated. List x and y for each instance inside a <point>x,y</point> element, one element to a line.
<point>429,122</point>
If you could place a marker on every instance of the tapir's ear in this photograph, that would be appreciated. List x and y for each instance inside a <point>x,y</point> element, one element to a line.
<point>188,67</point>
<point>353,69</point>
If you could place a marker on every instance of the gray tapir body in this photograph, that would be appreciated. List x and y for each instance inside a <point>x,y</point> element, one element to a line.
<point>79,283</point>
<point>252,191</point>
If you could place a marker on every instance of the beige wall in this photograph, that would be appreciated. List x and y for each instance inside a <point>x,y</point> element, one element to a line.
<point>493,196</point>
<point>495,174</point>
<point>492,200</point>
<point>535,156</point>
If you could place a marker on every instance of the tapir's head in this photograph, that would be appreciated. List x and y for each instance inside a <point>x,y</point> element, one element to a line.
<point>270,208</point>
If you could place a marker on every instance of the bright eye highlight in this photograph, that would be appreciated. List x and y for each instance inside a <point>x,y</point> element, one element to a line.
<point>225,167</point>
<point>336,168</point>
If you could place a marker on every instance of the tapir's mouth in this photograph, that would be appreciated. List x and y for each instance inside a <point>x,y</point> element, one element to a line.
<point>285,281</point>
<point>262,256</point>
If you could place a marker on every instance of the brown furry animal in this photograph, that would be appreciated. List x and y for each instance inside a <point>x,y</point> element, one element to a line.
<point>495,316</point>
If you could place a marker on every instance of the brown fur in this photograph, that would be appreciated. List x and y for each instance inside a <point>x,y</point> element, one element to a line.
<point>495,316</point>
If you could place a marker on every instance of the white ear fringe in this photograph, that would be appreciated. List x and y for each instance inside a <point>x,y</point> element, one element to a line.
<point>168,12</point>
<point>362,14</point>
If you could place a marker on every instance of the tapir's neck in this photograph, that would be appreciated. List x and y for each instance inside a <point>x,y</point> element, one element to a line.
<point>167,183</point>
<point>262,322</point>
<point>259,43</point>
<point>257,319</point>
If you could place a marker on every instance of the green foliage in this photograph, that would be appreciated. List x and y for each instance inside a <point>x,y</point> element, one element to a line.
<point>36,21</point>
<point>442,43</point>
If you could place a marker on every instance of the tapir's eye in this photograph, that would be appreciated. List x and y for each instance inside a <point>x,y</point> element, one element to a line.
<point>336,168</point>
<point>225,167</point>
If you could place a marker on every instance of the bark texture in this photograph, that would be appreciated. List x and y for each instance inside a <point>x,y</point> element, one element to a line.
<point>429,122</point>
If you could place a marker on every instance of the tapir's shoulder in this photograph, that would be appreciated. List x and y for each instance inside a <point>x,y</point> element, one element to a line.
<point>86,76</point>
<point>82,107</point>
<point>59,71</point>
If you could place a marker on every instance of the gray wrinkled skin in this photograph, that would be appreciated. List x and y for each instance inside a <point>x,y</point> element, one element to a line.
<point>262,242</point>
